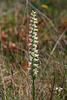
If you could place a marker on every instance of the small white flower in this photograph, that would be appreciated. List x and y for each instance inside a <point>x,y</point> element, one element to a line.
<point>30,57</point>
<point>36,59</point>
<point>34,15</point>
<point>31,28</point>
<point>36,51</point>
<point>29,52</point>
<point>35,19</point>
<point>36,38</point>
<point>34,12</point>
<point>33,49</point>
<point>35,29</point>
<point>35,71</point>
<point>35,45</point>
<point>29,44</point>
<point>30,31</point>
<point>35,22</point>
<point>32,53</point>
<point>31,20</point>
<point>35,33</point>
<point>59,89</point>
<point>34,25</point>
<point>36,65</point>
<point>30,40</point>
<point>35,41</point>
<point>29,35</point>
<point>29,63</point>
<point>56,88</point>
<point>28,69</point>
<point>36,54</point>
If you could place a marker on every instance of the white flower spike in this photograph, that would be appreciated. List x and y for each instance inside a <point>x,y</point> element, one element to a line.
<point>33,41</point>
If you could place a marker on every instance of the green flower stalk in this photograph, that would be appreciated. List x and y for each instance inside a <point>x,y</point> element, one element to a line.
<point>33,52</point>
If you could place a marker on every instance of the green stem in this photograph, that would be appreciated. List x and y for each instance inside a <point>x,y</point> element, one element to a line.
<point>33,88</point>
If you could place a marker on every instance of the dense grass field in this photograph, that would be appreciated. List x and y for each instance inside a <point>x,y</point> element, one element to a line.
<point>15,78</point>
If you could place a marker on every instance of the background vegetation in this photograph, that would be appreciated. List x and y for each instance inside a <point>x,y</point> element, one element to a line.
<point>15,81</point>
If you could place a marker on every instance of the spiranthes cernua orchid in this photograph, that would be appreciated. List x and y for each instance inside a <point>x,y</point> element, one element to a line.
<point>32,49</point>
<point>32,45</point>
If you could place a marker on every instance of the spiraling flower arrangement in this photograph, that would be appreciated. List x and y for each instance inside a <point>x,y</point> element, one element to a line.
<point>33,41</point>
<point>33,52</point>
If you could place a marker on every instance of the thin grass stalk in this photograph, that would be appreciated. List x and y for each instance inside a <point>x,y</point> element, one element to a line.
<point>33,89</point>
